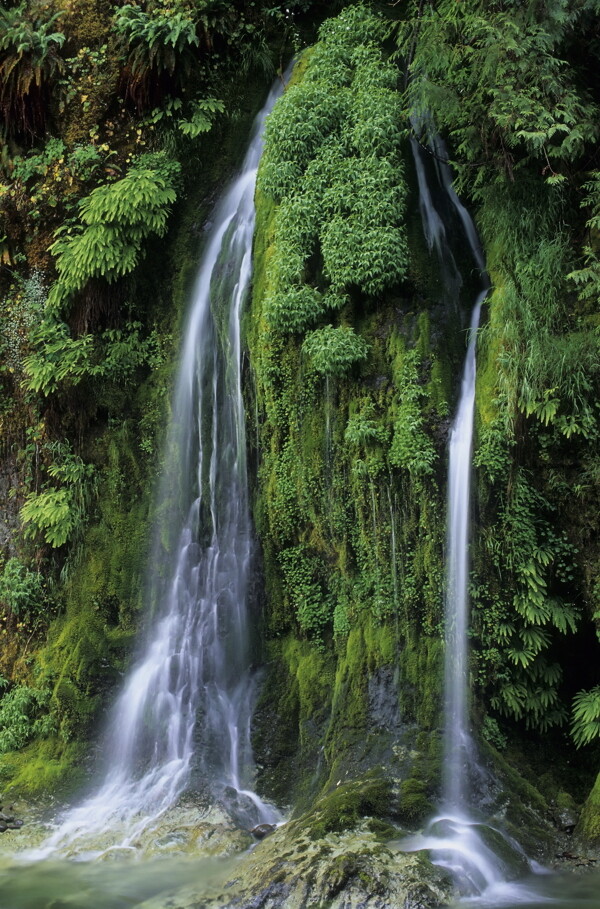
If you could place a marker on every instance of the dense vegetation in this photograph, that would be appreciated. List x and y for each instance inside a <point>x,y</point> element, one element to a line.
<point>103,110</point>
<point>349,503</point>
<point>355,354</point>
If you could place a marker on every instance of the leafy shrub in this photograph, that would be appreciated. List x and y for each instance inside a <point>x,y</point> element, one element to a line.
<point>335,351</point>
<point>116,219</point>
<point>332,159</point>
<point>85,160</point>
<point>297,307</point>
<point>363,429</point>
<point>23,717</point>
<point>294,133</point>
<point>37,164</point>
<point>20,589</point>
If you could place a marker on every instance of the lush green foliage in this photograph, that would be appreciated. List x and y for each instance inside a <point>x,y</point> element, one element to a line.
<point>21,590</point>
<point>312,607</point>
<point>334,351</point>
<point>57,513</point>
<point>29,62</point>
<point>542,386</point>
<point>60,361</point>
<point>23,716</point>
<point>496,80</point>
<point>586,716</point>
<point>333,162</point>
<point>115,218</point>
<point>352,534</point>
<point>411,447</point>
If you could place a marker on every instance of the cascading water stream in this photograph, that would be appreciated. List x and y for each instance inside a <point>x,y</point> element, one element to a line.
<point>458,750</point>
<point>186,706</point>
<point>456,838</point>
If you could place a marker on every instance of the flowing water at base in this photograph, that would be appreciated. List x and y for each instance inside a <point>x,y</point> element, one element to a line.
<point>541,891</point>
<point>177,881</point>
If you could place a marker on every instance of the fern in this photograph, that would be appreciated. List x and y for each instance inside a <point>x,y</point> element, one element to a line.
<point>58,360</point>
<point>20,589</point>
<point>158,44</point>
<point>585,722</point>
<point>116,218</point>
<point>23,716</point>
<point>201,118</point>
<point>57,514</point>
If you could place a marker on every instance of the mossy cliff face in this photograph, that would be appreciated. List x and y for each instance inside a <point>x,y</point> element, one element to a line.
<point>355,357</point>
<point>355,361</point>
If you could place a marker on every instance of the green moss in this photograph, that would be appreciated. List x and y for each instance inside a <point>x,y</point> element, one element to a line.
<point>290,720</point>
<point>347,805</point>
<point>421,664</point>
<point>588,828</point>
<point>49,766</point>
<point>414,805</point>
<point>368,527</point>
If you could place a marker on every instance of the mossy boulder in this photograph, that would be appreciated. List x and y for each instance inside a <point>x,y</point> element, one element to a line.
<point>351,869</point>
<point>588,828</point>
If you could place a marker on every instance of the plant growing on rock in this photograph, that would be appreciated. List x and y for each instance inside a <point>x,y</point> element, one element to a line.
<point>334,351</point>
<point>162,43</point>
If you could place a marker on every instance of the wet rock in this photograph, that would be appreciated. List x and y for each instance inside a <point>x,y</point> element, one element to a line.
<point>274,896</point>
<point>9,821</point>
<point>383,699</point>
<point>565,818</point>
<point>262,830</point>
<point>353,869</point>
<point>422,896</point>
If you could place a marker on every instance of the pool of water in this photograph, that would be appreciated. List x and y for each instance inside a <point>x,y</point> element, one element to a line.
<point>115,884</point>
<point>175,882</point>
<point>540,891</point>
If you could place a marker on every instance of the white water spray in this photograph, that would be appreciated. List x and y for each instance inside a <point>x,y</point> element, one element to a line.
<point>186,706</point>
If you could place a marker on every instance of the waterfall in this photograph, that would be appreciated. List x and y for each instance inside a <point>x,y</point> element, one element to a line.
<point>458,750</point>
<point>186,705</point>
<point>481,858</point>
